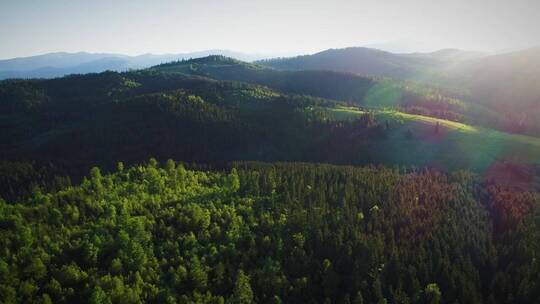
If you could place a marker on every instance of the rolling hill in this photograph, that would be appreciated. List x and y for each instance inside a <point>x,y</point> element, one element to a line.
<point>501,89</point>
<point>187,110</point>
<point>346,87</point>
<point>337,85</point>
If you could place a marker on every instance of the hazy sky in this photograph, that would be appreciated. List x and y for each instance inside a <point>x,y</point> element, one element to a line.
<point>278,26</point>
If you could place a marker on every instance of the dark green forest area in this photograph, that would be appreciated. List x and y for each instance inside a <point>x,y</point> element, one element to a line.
<point>62,127</point>
<point>272,233</point>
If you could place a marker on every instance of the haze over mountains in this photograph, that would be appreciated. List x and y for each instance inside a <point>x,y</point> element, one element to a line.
<point>359,60</point>
<point>62,63</point>
<point>374,62</point>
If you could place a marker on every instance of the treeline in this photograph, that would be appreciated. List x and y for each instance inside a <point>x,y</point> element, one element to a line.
<point>272,233</point>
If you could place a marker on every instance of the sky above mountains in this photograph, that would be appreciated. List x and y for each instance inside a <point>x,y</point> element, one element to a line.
<point>268,27</point>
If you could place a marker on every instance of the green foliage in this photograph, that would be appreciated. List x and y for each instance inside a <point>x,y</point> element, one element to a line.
<point>99,297</point>
<point>432,294</point>
<point>242,293</point>
<point>271,233</point>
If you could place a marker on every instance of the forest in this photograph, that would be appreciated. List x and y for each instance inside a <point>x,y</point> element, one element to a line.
<point>269,152</point>
<point>133,116</point>
<point>213,180</point>
<point>272,233</point>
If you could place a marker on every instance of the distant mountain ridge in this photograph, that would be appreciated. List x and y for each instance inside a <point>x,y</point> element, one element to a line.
<point>372,62</point>
<point>451,55</point>
<point>358,60</point>
<point>62,63</point>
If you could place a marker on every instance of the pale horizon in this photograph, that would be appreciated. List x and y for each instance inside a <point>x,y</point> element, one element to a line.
<point>270,28</point>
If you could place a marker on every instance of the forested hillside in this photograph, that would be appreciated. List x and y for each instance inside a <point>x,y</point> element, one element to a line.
<point>61,127</point>
<point>67,125</point>
<point>433,95</point>
<point>281,233</point>
<point>332,84</point>
<point>338,85</point>
<point>500,90</point>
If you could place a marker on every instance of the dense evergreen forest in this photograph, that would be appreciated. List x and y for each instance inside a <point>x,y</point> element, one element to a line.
<point>203,181</point>
<point>272,233</point>
<point>64,126</point>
